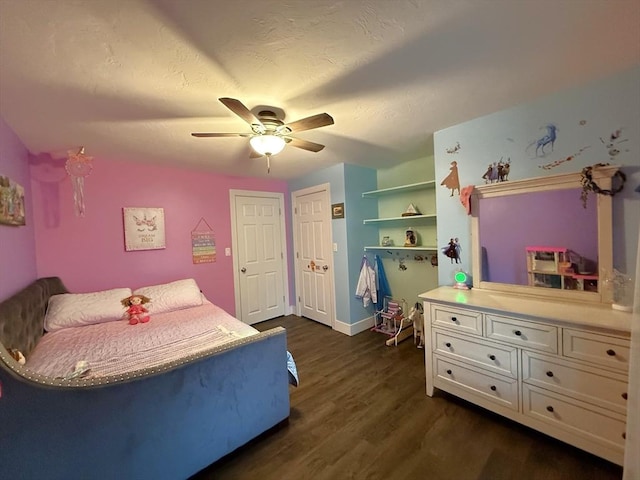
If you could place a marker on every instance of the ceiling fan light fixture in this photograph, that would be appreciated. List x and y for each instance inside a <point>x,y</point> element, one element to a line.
<point>267,144</point>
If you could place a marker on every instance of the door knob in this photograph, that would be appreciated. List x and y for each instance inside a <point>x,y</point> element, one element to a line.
<point>325,267</point>
<point>243,269</point>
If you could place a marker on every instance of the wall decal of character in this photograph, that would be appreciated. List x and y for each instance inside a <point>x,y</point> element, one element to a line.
<point>452,181</point>
<point>452,250</point>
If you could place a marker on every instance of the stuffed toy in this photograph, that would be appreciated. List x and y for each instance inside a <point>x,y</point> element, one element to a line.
<point>135,310</point>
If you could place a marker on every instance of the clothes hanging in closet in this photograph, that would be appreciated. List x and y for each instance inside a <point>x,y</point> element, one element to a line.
<point>384,290</point>
<point>366,287</point>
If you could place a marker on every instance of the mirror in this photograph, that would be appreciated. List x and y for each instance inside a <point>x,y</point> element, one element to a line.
<point>535,237</point>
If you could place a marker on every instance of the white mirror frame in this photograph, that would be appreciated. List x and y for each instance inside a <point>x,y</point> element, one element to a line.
<point>602,176</point>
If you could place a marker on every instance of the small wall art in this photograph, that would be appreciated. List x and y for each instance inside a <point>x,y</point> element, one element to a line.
<point>337,210</point>
<point>143,228</point>
<point>203,243</point>
<point>11,202</point>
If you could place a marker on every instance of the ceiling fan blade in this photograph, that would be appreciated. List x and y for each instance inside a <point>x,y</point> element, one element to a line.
<point>304,144</point>
<point>237,107</point>
<point>220,134</point>
<point>315,121</point>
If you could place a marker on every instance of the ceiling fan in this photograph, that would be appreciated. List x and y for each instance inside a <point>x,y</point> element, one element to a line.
<point>269,133</point>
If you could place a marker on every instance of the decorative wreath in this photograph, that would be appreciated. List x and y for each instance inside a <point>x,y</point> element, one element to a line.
<point>589,185</point>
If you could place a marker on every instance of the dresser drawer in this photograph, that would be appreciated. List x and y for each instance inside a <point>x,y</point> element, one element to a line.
<point>584,383</point>
<point>458,319</point>
<point>497,358</point>
<point>574,416</point>
<point>599,349</point>
<point>535,336</point>
<point>497,389</point>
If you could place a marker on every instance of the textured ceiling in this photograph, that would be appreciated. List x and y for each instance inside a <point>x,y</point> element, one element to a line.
<point>131,79</point>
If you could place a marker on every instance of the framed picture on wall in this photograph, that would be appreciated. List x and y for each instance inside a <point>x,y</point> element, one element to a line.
<point>143,228</point>
<point>337,210</point>
<point>11,202</point>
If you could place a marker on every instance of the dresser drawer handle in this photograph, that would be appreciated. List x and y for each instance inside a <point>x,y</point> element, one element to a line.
<point>624,395</point>
<point>449,372</point>
<point>492,357</point>
<point>611,353</point>
<point>454,319</point>
<point>518,333</point>
<point>493,387</point>
<point>549,373</point>
<point>549,408</point>
<point>448,344</point>
<point>624,435</point>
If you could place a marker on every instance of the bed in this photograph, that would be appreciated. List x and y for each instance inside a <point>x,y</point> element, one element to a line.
<point>105,399</point>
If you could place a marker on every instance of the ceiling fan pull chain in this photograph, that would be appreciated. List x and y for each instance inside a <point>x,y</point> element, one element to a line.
<point>268,163</point>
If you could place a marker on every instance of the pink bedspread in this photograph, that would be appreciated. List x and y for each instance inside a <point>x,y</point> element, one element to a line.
<point>115,348</point>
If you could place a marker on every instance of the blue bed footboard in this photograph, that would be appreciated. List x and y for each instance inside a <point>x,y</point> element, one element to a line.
<point>165,426</point>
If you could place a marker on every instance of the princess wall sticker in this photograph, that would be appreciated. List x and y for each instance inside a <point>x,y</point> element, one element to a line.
<point>452,181</point>
<point>452,250</point>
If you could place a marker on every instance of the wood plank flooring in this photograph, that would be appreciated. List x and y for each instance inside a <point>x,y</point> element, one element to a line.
<point>361,412</point>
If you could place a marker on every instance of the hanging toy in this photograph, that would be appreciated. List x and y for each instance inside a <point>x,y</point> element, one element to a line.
<point>78,167</point>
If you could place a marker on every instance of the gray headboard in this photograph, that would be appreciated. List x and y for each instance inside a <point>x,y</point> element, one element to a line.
<point>22,315</point>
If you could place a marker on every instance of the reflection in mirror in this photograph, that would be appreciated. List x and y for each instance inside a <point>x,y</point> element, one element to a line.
<point>534,237</point>
<point>545,221</point>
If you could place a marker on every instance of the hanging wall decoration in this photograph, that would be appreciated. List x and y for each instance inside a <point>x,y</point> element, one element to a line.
<point>203,243</point>
<point>143,228</point>
<point>11,202</point>
<point>78,167</point>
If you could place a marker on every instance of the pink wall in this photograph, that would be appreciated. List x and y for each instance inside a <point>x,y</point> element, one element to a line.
<point>17,244</point>
<point>88,252</point>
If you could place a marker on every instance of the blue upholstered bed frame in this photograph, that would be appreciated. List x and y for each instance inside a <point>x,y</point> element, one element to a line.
<point>165,424</point>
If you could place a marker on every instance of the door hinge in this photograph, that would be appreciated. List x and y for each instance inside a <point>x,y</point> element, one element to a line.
<point>295,210</point>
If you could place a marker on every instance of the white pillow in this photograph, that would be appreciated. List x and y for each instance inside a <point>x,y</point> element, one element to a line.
<point>171,296</point>
<point>77,309</point>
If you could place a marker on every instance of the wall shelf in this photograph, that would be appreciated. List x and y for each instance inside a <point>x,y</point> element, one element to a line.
<point>411,219</point>
<point>402,188</point>
<point>420,248</point>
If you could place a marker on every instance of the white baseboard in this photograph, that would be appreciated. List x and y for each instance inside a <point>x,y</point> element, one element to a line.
<point>355,328</point>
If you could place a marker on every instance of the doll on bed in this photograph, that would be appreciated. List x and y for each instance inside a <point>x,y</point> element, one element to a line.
<point>135,310</point>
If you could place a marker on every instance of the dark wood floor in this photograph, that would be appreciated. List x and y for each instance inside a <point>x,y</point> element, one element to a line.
<point>361,412</point>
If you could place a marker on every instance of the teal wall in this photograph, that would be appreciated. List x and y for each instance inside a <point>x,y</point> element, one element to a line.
<point>586,119</point>
<point>357,180</point>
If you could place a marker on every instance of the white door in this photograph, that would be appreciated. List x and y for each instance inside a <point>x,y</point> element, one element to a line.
<point>259,260</point>
<point>313,257</point>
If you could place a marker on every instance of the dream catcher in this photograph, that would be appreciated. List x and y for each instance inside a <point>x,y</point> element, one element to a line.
<point>78,167</point>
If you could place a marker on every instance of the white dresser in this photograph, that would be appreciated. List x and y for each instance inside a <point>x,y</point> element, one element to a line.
<point>558,367</point>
